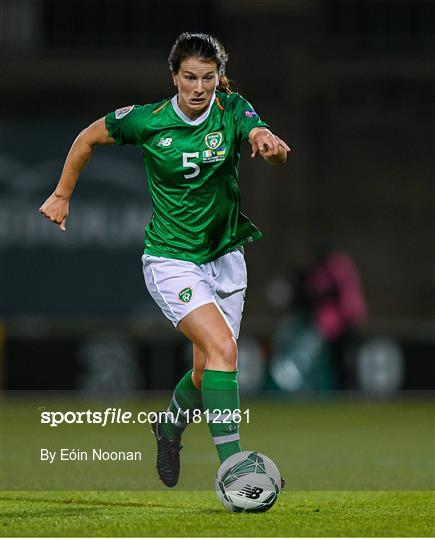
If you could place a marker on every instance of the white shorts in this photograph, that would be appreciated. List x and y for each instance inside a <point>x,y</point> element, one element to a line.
<point>178,287</point>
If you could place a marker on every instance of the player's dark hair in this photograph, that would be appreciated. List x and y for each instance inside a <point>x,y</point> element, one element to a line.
<point>201,46</point>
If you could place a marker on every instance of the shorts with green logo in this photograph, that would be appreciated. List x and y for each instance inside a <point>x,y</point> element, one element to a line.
<point>178,287</point>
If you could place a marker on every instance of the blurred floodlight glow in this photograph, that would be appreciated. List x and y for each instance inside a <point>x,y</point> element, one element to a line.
<point>380,366</point>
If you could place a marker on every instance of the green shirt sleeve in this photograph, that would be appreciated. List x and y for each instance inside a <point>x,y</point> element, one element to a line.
<point>125,124</point>
<point>245,116</point>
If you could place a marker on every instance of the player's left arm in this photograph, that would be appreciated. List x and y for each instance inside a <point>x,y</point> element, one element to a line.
<point>269,146</point>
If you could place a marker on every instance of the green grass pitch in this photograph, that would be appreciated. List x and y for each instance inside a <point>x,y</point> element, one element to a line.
<point>198,514</point>
<point>353,468</point>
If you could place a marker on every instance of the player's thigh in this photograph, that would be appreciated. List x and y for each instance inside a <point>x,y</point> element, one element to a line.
<point>209,330</point>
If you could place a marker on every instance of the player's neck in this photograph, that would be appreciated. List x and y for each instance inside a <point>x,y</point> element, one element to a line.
<point>191,113</point>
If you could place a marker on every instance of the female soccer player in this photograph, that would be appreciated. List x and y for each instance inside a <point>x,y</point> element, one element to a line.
<point>193,260</point>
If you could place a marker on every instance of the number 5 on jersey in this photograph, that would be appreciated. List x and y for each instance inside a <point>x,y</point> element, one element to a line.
<point>187,163</point>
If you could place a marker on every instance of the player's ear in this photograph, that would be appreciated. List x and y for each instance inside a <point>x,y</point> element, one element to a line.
<point>175,79</point>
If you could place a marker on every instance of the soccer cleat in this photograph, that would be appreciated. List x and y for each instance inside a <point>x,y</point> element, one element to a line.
<point>168,456</point>
<point>282,483</point>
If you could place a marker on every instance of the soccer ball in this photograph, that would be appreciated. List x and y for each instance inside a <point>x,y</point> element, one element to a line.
<point>248,482</point>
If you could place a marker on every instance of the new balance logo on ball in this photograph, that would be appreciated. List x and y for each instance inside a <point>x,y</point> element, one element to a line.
<point>250,492</point>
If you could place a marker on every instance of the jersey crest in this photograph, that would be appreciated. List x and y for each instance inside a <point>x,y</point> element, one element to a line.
<point>213,140</point>
<point>185,295</point>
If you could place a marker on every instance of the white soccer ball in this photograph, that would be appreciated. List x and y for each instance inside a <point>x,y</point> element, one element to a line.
<point>248,482</point>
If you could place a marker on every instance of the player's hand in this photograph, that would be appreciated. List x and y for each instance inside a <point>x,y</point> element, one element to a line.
<point>283,144</point>
<point>265,143</point>
<point>56,209</point>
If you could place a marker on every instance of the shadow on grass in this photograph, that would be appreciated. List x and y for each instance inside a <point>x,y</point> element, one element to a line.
<point>115,504</point>
<point>26,514</point>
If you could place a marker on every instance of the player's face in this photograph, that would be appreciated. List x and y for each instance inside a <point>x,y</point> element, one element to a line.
<point>196,81</point>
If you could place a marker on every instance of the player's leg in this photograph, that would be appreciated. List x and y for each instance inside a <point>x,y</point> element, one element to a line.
<point>199,363</point>
<point>186,398</point>
<point>209,330</point>
<point>177,287</point>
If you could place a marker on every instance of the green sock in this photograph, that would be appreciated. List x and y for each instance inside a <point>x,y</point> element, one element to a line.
<point>185,400</point>
<point>220,392</point>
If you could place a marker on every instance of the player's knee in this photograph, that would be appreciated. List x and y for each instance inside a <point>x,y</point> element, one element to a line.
<point>223,355</point>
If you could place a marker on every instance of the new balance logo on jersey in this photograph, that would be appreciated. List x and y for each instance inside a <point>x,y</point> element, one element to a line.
<point>250,492</point>
<point>165,142</point>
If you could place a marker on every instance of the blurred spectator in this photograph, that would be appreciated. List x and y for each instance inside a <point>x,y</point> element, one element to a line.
<point>333,293</point>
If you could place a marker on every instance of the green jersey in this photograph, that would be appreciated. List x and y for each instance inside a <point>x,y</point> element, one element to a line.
<point>192,169</point>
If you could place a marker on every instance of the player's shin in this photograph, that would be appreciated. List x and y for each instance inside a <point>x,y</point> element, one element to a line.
<point>185,400</point>
<point>220,396</point>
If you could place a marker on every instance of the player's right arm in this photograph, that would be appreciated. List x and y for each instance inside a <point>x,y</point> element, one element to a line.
<point>56,206</point>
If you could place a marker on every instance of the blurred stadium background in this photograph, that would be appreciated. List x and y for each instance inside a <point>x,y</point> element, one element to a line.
<point>348,83</point>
